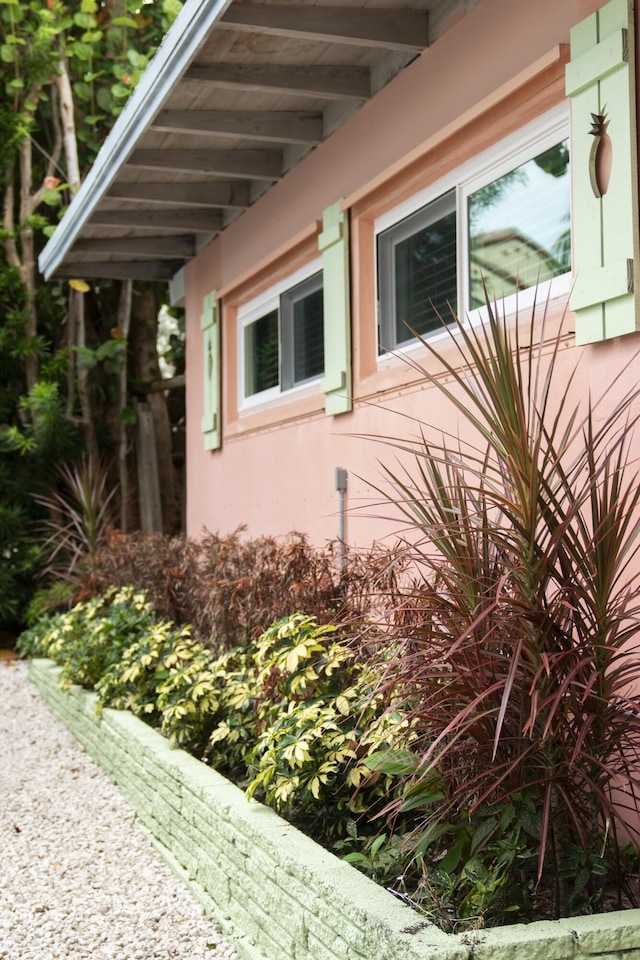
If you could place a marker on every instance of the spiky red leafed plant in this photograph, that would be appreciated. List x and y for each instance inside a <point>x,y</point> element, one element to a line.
<point>519,664</point>
<point>79,517</point>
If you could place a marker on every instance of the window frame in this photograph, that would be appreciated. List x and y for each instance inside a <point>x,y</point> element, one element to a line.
<point>286,316</point>
<point>387,242</point>
<point>509,153</point>
<point>258,307</point>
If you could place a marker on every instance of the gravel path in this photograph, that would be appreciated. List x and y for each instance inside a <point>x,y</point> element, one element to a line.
<point>78,878</point>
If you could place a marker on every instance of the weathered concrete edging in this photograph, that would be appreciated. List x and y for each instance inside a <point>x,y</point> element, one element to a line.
<point>275,892</point>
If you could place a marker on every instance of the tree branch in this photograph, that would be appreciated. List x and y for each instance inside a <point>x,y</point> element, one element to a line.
<point>67,117</point>
<point>8,224</point>
<point>53,159</point>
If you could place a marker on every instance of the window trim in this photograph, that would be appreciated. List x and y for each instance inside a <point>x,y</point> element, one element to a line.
<point>254,309</point>
<point>513,150</point>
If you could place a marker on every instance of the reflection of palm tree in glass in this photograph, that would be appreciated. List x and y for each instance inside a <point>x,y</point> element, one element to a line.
<point>492,194</point>
<point>516,235</point>
<point>554,161</point>
<point>562,247</point>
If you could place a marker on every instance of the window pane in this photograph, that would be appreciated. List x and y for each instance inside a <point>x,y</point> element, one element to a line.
<point>308,337</point>
<point>519,227</point>
<point>261,354</point>
<point>425,278</point>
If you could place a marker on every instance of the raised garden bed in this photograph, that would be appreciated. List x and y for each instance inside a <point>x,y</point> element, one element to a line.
<point>275,892</point>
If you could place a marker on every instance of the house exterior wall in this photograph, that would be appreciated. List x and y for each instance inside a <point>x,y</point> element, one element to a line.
<point>497,68</point>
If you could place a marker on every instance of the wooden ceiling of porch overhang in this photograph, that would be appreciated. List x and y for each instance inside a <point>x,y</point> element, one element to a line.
<point>270,83</point>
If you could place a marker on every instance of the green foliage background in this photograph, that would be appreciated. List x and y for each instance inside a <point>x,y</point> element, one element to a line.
<point>105,47</point>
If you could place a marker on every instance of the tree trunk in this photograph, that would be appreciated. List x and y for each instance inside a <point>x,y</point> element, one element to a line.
<point>124,320</point>
<point>145,326</point>
<point>28,260</point>
<point>67,117</point>
<point>24,258</point>
<point>76,303</point>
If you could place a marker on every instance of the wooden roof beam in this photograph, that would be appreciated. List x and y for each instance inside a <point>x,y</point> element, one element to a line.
<point>209,193</point>
<point>249,164</point>
<point>283,126</point>
<point>156,248</point>
<point>176,219</point>
<point>119,269</point>
<point>326,82</point>
<point>394,29</point>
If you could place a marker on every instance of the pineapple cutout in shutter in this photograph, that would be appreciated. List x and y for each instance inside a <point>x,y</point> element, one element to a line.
<point>600,79</point>
<point>601,158</point>
<point>210,326</point>
<point>333,243</point>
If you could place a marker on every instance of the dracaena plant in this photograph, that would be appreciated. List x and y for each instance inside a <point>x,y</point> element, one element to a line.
<point>519,656</point>
<point>79,517</point>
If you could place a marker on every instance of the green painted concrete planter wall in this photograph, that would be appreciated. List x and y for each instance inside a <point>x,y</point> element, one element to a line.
<point>274,892</point>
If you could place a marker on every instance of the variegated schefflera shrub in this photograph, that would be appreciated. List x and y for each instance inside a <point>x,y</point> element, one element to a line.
<point>92,636</point>
<point>320,720</point>
<point>295,717</point>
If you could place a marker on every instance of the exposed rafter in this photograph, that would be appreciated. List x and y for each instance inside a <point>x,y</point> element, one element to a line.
<point>252,164</point>
<point>279,126</point>
<point>208,193</point>
<point>395,29</point>
<point>176,219</point>
<point>120,269</point>
<point>331,83</point>
<point>157,248</point>
<point>237,95</point>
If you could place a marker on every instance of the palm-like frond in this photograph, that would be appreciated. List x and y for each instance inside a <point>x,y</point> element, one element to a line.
<point>79,515</point>
<point>520,658</point>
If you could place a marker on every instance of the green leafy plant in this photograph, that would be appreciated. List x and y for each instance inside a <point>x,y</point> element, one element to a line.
<point>379,856</point>
<point>314,703</point>
<point>236,730</point>
<point>68,69</point>
<point>189,697</point>
<point>519,646</point>
<point>131,682</point>
<point>111,354</point>
<point>91,636</point>
<point>58,595</point>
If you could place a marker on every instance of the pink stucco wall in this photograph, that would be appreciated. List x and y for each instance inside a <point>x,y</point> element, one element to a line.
<point>275,471</point>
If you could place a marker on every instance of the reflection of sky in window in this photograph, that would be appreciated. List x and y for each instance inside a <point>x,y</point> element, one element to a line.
<point>535,204</point>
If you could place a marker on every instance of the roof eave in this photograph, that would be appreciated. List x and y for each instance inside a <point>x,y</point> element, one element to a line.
<point>177,50</point>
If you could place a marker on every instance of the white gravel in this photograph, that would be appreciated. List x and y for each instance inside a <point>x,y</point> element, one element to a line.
<point>78,878</point>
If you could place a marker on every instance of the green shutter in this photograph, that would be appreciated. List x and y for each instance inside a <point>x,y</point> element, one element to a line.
<point>600,79</point>
<point>210,325</point>
<point>334,245</point>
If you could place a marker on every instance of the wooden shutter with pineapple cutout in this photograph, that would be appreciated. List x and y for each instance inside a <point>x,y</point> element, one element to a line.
<point>210,326</point>
<point>600,79</point>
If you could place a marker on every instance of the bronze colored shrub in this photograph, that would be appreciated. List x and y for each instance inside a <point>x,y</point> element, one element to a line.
<point>230,588</point>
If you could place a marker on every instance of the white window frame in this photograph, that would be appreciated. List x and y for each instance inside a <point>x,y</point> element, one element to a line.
<point>517,148</point>
<point>253,310</point>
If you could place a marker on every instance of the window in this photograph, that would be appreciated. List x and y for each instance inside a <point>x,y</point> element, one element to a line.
<point>519,231</point>
<point>261,350</point>
<point>417,270</point>
<point>282,338</point>
<point>502,221</point>
<point>301,320</point>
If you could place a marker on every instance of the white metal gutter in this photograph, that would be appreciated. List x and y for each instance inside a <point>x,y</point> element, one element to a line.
<point>187,34</point>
